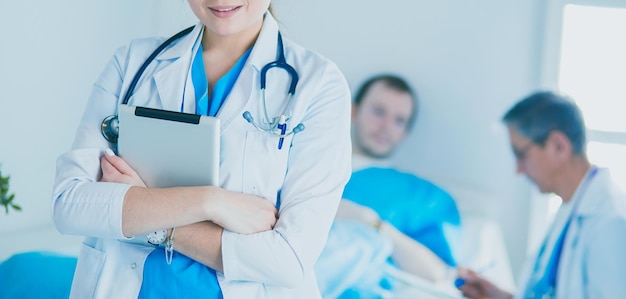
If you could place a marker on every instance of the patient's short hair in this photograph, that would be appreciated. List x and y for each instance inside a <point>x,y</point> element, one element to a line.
<point>394,82</point>
<point>540,113</point>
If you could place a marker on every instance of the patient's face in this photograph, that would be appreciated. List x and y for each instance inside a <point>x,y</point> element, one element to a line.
<point>381,121</point>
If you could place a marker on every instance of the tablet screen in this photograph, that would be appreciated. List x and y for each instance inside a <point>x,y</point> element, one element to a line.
<point>168,148</point>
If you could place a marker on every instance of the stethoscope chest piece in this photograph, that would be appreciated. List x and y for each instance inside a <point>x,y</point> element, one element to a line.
<point>110,128</point>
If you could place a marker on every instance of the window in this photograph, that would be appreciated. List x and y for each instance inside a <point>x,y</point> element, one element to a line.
<point>585,58</point>
<point>593,71</point>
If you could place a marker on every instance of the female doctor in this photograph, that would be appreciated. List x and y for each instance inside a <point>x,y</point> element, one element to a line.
<point>260,232</point>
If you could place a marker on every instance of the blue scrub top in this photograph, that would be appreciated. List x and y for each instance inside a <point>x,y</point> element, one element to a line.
<point>186,278</point>
<point>223,86</point>
<point>416,207</point>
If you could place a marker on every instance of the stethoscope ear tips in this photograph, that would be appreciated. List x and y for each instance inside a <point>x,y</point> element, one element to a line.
<point>299,128</point>
<point>248,117</point>
<point>110,128</point>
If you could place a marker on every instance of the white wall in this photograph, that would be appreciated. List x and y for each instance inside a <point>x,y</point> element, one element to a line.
<point>50,54</point>
<point>469,61</point>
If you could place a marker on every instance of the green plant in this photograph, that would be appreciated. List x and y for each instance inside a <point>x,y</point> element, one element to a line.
<point>6,199</point>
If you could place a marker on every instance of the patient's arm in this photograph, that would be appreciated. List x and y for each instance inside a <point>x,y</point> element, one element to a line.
<point>410,255</point>
<point>413,257</point>
<point>349,210</point>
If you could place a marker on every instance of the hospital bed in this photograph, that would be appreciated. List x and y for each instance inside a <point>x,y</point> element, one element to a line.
<point>355,264</point>
<point>482,244</point>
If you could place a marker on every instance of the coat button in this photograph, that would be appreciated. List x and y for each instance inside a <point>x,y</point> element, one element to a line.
<point>133,265</point>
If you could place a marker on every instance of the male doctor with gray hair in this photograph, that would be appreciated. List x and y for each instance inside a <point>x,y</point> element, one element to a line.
<point>584,252</point>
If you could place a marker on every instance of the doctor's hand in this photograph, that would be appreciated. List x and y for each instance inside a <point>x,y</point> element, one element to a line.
<point>116,170</point>
<point>349,210</point>
<point>474,286</point>
<point>243,213</point>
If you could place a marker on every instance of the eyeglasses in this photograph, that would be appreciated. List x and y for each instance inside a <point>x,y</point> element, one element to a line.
<point>520,154</point>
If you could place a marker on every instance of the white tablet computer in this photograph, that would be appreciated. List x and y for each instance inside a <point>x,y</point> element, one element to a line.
<point>170,149</point>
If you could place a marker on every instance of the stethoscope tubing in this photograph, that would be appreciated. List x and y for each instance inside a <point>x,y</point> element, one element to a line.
<point>142,69</point>
<point>110,124</point>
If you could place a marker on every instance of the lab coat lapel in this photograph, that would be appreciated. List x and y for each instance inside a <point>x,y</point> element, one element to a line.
<point>599,188</point>
<point>263,52</point>
<point>171,77</point>
<point>587,207</point>
<point>238,98</point>
<point>170,84</point>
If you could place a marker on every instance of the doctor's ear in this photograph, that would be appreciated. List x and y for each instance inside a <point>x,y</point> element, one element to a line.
<point>560,144</point>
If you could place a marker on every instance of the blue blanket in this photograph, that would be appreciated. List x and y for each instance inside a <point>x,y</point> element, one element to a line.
<point>37,274</point>
<point>418,208</point>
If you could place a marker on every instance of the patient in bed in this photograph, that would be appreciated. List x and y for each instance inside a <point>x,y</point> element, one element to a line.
<point>387,217</point>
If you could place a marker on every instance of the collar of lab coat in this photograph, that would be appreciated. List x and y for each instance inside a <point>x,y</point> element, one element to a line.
<point>595,195</point>
<point>597,201</point>
<point>263,52</point>
<point>265,48</point>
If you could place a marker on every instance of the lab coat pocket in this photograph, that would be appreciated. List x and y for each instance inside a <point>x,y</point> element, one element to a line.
<point>264,165</point>
<point>88,270</point>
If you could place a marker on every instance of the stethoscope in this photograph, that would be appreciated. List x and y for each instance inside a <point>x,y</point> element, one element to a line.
<point>276,126</point>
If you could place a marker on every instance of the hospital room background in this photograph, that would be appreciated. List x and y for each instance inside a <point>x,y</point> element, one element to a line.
<point>468,60</point>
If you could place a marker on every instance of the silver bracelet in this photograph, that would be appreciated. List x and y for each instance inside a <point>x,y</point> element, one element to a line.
<point>169,248</point>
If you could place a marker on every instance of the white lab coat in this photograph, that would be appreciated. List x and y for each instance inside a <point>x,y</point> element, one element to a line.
<point>593,259</point>
<point>310,172</point>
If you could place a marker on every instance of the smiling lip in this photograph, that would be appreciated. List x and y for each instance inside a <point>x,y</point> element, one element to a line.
<point>224,11</point>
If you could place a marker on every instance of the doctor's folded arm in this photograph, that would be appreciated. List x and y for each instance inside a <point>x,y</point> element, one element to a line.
<point>582,254</point>
<point>285,155</point>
